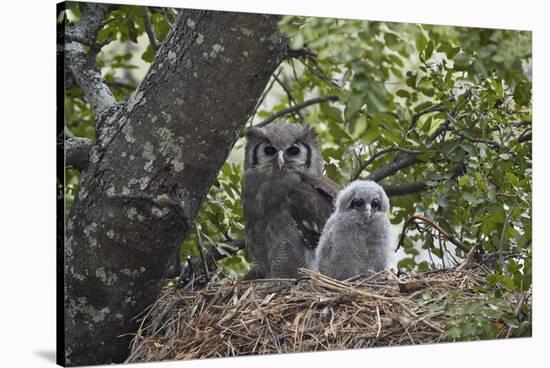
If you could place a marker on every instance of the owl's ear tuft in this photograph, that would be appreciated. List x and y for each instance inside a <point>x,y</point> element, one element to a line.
<point>253,133</point>
<point>310,135</point>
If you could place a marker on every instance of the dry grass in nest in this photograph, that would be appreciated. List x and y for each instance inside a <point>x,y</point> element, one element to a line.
<point>232,318</point>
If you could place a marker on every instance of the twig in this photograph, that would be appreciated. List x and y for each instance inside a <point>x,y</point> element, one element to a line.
<point>295,74</point>
<point>275,340</point>
<point>440,241</point>
<point>263,96</point>
<point>291,98</point>
<point>503,234</point>
<point>149,28</point>
<point>468,260</point>
<point>432,223</point>
<point>493,144</point>
<point>321,75</point>
<point>436,108</point>
<point>201,251</point>
<point>379,322</point>
<point>303,51</point>
<point>294,108</point>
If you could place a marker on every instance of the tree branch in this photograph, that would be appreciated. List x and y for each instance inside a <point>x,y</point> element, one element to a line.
<point>525,137</point>
<point>432,223</point>
<point>492,144</point>
<point>303,51</point>
<point>364,165</point>
<point>402,161</point>
<point>91,43</point>
<point>405,159</point>
<point>82,64</point>
<point>371,159</point>
<point>404,189</point>
<point>295,108</point>
<point>149,28</point>
<point>77,150</point>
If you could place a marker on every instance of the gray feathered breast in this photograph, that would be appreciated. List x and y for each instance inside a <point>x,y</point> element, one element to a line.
<point>356,237</point>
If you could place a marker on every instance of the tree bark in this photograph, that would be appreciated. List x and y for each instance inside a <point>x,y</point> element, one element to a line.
<point>77,150</point>
<point>155,159</point>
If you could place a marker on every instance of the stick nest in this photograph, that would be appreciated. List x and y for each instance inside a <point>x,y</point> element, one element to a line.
<point>315,312</point>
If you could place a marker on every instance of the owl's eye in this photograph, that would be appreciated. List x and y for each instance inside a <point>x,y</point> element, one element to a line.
<point>375,204</point>
<point>357,203</point>
<point>293,151</point>
<point>270,151</point>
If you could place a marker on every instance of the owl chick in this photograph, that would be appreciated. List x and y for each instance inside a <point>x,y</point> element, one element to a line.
<point>356,237</point>
<point>286,199</point>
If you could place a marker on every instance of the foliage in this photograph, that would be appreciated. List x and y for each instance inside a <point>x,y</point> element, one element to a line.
<point>456,98</point>
<point>399,84</point>
<point>491,316</point>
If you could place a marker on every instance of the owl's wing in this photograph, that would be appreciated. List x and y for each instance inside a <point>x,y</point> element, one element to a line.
<point>311,204</point>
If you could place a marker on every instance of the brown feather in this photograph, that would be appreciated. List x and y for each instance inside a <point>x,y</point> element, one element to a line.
<point>310,203</point>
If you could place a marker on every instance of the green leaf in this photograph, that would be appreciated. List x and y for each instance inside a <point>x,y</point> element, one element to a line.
<point>396,60</point>
<point>406,263</point>
<point>297,42</point>
<point>332,113</point>
<point>337,132</point>
<point>461,61</point>
<point>354,103</point>
<point>372,133</point>
<point>423,106</point>
<point>411,79</point>
<point>421,41</point>
<point>428,51</point>
<point>149,54</point>
<point>402,93</point>
<point>391,39</point>
<point>448,49</point>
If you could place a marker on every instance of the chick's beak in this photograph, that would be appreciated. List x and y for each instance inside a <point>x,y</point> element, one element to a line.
<point>368,211</point>
<point>280,159</point>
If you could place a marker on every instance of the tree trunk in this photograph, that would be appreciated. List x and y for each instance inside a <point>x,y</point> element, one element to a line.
<point>155,159</point>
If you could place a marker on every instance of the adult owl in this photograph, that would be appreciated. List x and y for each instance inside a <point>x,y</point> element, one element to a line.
<point>356,237</point>
<point>286,198</point>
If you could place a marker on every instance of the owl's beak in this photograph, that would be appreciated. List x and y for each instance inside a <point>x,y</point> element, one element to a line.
<point>368,211</point>
<point>280,159</point>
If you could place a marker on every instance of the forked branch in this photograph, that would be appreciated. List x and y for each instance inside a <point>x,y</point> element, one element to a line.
<point>82,63</point>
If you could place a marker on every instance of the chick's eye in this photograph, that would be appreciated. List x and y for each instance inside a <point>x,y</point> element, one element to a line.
<point>293,151</point>
<point>357,203</point>
<point>270,151</point>
<point>375,204</point>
